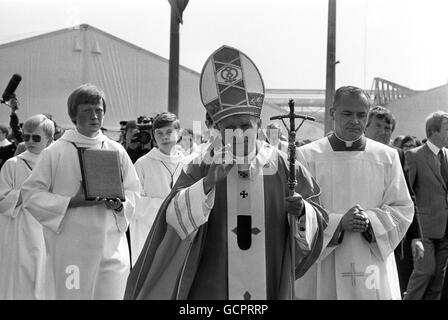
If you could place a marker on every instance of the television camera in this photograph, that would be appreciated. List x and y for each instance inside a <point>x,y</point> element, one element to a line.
<point>144,126</point>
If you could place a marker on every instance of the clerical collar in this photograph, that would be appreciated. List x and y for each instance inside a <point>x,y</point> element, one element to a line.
<point>337,144</point>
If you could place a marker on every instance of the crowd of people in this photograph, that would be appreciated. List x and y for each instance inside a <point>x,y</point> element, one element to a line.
<point>214,217</point>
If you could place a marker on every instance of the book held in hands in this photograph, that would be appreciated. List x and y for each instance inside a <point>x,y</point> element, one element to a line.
<point>101,174</point>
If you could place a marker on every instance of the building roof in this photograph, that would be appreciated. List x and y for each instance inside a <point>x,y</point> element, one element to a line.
<point>85,26</point>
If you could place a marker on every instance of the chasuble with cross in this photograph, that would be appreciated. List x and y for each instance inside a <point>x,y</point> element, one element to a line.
<point>357,266</point>
<point>232,243</point>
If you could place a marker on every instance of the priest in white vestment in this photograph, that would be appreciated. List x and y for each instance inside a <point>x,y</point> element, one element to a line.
<point>85,239</point>
<point>370,209</point>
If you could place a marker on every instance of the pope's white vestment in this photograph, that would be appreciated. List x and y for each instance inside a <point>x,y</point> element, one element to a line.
<point>157,173</point>
<point>87,246</point>
<point>22,246</point>
<point>357,268</point>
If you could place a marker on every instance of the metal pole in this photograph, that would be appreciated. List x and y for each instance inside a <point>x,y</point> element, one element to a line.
<point>292,182</point>
<point>173,80</point>
<point>331,65</point>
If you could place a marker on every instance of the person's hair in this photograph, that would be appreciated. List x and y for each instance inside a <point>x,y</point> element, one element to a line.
<point>410,138</point>
<point>434,122</point>
<point>398,140</point>
<point>164,119</point>
<point>4,129</point>
<point>274,125</point>
<point>33,122</point>
<point>350,91</point>
<point>84,94</point>
<point>381,113</point>
<point>190,132</point>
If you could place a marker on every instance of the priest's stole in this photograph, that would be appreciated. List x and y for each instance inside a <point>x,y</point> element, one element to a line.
<point>246,236</point>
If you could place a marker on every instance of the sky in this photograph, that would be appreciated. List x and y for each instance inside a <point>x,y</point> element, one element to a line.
<point>403,41</point>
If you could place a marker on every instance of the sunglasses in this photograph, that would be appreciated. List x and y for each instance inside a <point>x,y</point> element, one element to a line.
<point>35,137</point>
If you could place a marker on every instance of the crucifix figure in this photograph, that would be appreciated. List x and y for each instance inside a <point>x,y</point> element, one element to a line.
<point>353,274</point>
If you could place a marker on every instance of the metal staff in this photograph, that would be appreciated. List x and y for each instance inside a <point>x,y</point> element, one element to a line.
<point>292,182</point>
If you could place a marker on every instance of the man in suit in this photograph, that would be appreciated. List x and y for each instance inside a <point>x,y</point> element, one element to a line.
<point>380,126</point>
<point>428,177</point>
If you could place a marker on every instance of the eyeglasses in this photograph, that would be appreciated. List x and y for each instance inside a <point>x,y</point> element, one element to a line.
<point>35,137</point>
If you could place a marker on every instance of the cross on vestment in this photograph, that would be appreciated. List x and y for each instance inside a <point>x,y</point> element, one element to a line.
<point>243,173</point>
<point>353,274</point>
<point>244,231</point>
<point>244,194</point>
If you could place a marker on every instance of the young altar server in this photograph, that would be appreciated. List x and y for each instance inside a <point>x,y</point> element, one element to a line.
<point>85,239</point>
<point>158,170</point>
<point>22,246</point>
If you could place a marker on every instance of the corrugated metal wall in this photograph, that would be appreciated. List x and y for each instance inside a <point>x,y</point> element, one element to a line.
<point>135,81</point>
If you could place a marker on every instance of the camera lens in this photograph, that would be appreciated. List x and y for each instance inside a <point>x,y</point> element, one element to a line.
<point>144,137</point>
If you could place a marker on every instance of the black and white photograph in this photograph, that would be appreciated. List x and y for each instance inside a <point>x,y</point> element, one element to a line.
<point>224,153</point>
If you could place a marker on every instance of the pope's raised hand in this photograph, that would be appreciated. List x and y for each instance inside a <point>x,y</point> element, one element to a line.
<point>221,163</point>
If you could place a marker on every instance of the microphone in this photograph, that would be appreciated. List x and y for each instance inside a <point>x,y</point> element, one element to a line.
<point>11,87</point>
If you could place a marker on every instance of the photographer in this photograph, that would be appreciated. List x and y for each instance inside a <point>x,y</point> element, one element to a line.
<point>7,148</point>
<point>16,135</point>
<point>9,142</point>
<point>137,138</point>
